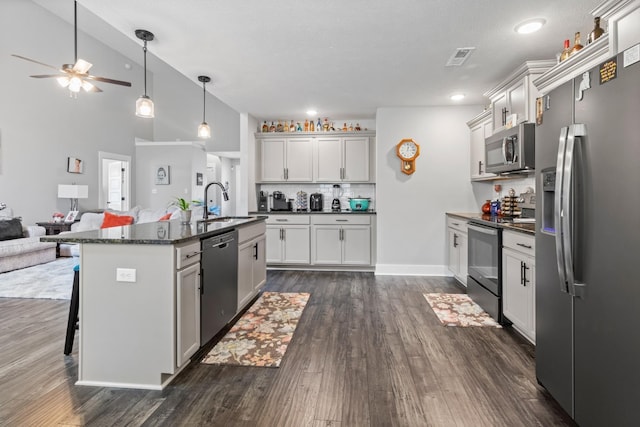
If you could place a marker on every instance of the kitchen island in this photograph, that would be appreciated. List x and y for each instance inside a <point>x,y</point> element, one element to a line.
<point>140,298</point>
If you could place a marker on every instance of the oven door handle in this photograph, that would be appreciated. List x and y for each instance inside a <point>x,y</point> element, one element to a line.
<point>484,230</point>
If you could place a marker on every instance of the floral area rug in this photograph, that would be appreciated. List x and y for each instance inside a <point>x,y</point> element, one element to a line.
<point>262,334</point>
<point>459,310</point>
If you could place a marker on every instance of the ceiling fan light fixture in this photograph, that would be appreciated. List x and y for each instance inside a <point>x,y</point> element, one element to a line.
<point>63,81</point>
<point>204,131</point>
<point>144,107</point>
<point>75,84</point>
<point>144,104</point>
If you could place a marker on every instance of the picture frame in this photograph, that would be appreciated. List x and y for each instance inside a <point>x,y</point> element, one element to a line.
<point>162,175</point>
<point>199,179</point>
<point>75,165</point>
<point>71,216</point>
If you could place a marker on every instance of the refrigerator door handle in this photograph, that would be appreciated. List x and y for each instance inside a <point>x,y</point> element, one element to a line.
<point>558,203</point>
<point>573,136</point>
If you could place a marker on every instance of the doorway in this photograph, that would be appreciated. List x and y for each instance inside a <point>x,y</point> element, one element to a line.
<point>115,181</point>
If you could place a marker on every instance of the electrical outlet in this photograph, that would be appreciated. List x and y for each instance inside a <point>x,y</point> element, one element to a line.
<point>125,274</point>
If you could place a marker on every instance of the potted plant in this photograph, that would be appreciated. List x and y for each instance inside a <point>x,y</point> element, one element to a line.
<point>185,212</point>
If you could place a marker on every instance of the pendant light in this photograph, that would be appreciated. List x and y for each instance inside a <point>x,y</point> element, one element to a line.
<point>204,131</point>
<point>144,104</point>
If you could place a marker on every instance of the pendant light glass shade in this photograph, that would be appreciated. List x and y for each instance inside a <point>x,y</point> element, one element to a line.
<point>204,131</point>
<point>144,104</point>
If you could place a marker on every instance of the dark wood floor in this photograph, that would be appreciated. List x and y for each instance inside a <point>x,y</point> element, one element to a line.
<point>368,351</point>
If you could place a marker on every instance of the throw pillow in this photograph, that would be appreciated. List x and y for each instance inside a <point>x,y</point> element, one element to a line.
<point>111,220</point>
<point>165,217</point>
<point>10,229</point>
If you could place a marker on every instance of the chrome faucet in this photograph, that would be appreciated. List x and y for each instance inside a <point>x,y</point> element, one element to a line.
<point>224,195</point>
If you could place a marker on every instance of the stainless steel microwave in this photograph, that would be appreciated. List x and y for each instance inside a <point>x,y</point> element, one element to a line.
<point>512,149</point>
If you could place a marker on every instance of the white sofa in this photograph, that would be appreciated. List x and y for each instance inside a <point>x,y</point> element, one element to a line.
<point>27,250</point>
<point>93,221</point>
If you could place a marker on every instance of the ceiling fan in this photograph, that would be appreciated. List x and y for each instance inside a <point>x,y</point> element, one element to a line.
<point>74,76</point>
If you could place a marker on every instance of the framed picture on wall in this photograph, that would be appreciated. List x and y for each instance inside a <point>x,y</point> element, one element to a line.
<point>75,165</point>
<point>162,175</point>
<point>199,179</point>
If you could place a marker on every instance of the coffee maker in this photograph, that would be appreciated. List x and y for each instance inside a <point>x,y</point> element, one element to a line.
<point>263,202</point>
<point>315,202</point>
<point>337,192</point>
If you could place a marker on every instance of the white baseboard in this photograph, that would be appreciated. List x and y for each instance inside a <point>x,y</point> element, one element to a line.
<point>411,270</point>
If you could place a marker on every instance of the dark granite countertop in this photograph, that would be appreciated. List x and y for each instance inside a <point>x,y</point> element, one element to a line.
<point>155,233</point>
<point>343,211</point>
<point>527,228</point>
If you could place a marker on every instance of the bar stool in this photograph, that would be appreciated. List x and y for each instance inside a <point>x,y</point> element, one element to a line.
<point>72,322</point>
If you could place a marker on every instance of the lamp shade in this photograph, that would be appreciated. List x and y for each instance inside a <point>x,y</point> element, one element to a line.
<point>73,191</point>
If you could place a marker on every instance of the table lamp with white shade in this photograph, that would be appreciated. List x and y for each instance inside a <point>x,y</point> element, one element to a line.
<point>73,192</point>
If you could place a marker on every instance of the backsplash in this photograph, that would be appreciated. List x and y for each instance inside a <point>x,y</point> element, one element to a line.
<point>348,191</point>
<point>484,190</point>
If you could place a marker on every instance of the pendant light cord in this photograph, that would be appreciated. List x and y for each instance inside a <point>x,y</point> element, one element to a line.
<point>204,102</point>
<point>144,49</point>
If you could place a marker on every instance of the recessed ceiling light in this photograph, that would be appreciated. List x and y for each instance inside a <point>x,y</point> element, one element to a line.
<point>529,26</point>
<point>457,96</point>
<point>311,112</point>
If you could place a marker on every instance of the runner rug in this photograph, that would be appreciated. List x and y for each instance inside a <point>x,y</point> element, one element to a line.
<point>262,334</point>
<point>459,310</point>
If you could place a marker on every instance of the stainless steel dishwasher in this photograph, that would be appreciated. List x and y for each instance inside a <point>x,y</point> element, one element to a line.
<point>219,288</point>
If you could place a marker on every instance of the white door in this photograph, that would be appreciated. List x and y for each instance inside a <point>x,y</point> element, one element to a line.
<point>115,181</point>
<point>115,171</point>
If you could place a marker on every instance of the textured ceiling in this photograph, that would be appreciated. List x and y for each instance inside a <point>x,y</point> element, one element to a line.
<point>276,59</point>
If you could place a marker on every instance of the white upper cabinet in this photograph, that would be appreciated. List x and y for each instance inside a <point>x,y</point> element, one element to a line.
<point>286,159</point>
<point>480,128</point>
<point>342,159</point>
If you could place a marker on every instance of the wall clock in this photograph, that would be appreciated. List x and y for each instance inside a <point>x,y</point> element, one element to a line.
<point>408,150</point>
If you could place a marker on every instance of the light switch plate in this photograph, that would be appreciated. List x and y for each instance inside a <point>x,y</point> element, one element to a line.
<point>125,274</point>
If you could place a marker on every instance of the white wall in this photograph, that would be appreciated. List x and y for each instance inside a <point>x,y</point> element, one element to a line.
<point>411,208</point>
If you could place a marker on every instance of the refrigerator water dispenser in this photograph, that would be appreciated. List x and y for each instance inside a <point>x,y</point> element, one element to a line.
<point>548,200</point>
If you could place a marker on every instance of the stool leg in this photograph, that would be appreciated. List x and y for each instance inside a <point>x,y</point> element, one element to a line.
<point>73,314</point>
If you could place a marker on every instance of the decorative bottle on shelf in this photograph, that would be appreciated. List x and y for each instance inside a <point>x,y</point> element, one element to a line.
<point>577,44</point>
<point>566,51</point>
<point>318,125</point>
<point>596,32</point>
<point>350,127</point>
<point>306,125</point>
<point>272,128</point>
<point>265,127</point>
<point>279,126</point>
<point>292,127</point>
<point>312,127</point>
<point>325,125</point>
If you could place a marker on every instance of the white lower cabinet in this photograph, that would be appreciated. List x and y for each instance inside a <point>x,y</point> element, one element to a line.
<point>457,248</point>
<point>518,282</point>
<point>288,239</point>
<point>187,302</point>
<point>251,262</point>
<point>341,240</point>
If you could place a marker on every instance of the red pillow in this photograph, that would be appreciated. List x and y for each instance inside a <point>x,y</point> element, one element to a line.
<point>165,217</point>
<point>111,220</point>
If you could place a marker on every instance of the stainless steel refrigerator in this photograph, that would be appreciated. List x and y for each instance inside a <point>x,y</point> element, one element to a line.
<point>588,245</point>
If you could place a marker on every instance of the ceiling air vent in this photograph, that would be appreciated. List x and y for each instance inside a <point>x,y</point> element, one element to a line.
<point>459,56</point>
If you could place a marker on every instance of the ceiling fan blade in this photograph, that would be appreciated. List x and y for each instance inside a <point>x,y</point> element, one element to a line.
<point>36,62</point>
<point>90,87</point>
<point>46,76</point>
<point>106,80</point>
<point>81,66</point>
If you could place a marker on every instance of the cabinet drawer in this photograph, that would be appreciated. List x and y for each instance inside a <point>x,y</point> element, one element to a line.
<point>287,219</point>
<point>356,219</point>
<point>457,223</point>
<point>187,254</point>
<point>520,242</point>
<point>250,231</point>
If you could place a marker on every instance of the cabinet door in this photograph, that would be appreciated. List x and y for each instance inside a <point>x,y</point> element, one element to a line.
<point>356,159</point>
<point>273,157</point>
<point>328,160</point>
<point>327,248</point>
<point>274,244</point>
<point>477,163</point>
<point>517,294</point>
<point>299,160</point>
<point>245,273</point>
<point>187,313</point>
<point>259,263</point>
<point>462,258</point>
<point>296,244</point>
<point>499,102</point>
<point>356,245</point>
<point>454,251</point>
<point>518,100</point>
